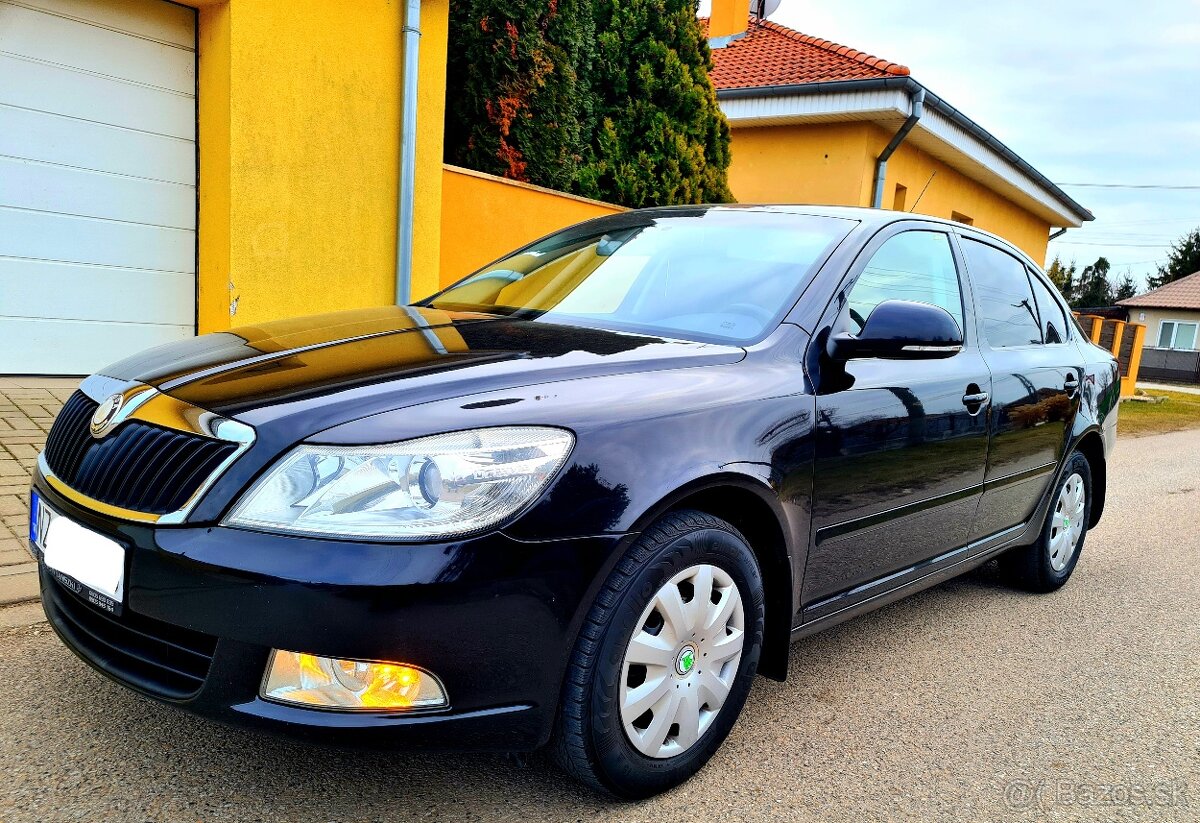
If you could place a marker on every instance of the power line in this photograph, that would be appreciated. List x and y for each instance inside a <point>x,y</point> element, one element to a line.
<point>1130,186</point>
<point>1120,245</point>
<point>1155,220</point>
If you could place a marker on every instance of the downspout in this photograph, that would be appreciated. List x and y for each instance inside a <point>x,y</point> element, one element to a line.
<point>918,107</point>
<point>411,38</point>
<point>1058,233</point>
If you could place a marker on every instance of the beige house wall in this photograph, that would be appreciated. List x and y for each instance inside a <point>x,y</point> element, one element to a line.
<point>1154,317</point>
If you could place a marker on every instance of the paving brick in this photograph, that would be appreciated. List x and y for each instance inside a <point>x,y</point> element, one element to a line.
<point>12,504</point>
<point>11,468</point>
<point>24,614</point>
<point>12,557</point>
<point>20,585</point>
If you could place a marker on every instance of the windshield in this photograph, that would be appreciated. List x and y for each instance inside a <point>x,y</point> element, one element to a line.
<point>720,274</point>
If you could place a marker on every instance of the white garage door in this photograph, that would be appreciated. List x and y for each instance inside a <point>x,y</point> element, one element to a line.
<point>97,181</point>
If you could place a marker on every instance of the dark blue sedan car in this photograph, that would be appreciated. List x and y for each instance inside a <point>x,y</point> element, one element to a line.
<point>581,497</point>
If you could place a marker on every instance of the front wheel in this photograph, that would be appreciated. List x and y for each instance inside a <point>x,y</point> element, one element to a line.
<point>665,658</point>
<point>1047,564</point>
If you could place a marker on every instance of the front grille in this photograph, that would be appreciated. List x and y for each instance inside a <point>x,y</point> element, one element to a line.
<point>140,466</point>
<point>156,657</point>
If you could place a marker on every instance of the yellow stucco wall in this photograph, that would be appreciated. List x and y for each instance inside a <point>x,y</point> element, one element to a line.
<point>834,164</point>
<point>299,117</point>
<point>800,164</point>
<point>485,217</point>
<point>952,191</point>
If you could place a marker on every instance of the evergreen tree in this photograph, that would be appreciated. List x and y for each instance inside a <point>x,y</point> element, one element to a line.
<point>1063,278</point>
<point>1126,289</point>
<point>659,137</point>
<point>630,116</point>
<point>1182,260</point>
<point>1094,290</point>
<point>517,87</point>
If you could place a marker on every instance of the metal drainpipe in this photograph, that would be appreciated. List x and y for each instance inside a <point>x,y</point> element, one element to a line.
<point>1058,233</point>
<point>918,106</point>
<point>411,33</point>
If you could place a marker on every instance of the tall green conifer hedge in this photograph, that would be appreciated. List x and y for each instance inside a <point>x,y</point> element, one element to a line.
<point>606,98</point>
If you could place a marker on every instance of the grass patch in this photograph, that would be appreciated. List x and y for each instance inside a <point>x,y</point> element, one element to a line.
<point>1180,411</point>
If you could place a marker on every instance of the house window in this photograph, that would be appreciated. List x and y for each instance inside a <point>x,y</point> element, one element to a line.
<point>1173,334</point>
<point>959,217</point>
<point>901,196</point>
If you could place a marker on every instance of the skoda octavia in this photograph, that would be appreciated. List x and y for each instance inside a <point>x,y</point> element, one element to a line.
<point>581,497</point>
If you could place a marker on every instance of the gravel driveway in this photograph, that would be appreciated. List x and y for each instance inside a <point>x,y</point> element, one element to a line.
<point>967,702</point>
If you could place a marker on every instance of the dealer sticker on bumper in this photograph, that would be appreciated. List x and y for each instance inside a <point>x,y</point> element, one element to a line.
<point>87,563</point>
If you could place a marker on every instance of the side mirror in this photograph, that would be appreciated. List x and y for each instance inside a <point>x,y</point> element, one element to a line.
<point>901,330</point>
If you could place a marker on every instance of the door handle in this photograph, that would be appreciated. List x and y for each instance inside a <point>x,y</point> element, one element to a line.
<point>1071,384</point>
<point>974,399</point>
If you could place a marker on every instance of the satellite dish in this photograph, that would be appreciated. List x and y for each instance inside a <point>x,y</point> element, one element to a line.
<point>764,8</point>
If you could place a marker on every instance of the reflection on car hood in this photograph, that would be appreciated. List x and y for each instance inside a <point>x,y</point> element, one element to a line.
<point>328,369</point>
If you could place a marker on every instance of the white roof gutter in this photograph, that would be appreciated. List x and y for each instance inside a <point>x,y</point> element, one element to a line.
<point>842,89</point>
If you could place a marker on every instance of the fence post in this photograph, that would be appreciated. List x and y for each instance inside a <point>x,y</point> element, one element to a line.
<point>1097,328</point>
<point>1129,381</point>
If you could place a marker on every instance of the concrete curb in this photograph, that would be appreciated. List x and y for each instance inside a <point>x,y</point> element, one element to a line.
<point>25,614</point>
<point>18,583</point>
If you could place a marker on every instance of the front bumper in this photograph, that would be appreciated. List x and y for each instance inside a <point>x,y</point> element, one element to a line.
<point>493,617</point>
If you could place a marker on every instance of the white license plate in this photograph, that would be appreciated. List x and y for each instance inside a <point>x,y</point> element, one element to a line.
<point>87,563</point>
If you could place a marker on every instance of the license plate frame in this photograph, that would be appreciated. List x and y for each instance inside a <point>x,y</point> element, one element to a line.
<point>88,563</point>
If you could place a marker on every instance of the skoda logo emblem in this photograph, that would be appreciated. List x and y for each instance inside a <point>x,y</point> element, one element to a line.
<point>685,661</point>
<point>106,414</point>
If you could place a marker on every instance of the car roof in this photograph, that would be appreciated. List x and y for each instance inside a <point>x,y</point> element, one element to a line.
<point>877,217</point>
<point>869,218</point>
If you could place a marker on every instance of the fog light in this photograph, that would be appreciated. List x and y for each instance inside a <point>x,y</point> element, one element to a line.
<point>327,682</point>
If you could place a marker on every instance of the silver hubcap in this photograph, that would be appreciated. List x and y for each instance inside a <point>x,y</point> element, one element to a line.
<point>681,661</point>
<point>1067,525</point>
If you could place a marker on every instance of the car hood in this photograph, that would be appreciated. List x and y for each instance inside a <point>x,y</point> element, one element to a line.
<point>303,375</point>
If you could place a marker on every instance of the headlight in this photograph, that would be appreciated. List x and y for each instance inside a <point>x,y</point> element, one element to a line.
<point>442,486</point>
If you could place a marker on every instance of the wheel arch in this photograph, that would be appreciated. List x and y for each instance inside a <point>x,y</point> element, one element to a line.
<point>753,510</point>
<point>1091,446</point>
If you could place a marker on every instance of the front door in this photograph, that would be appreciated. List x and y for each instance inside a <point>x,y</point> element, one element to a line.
<point>900,445</point>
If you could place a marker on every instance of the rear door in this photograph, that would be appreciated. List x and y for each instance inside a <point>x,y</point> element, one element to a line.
<point>1035,383</point>
<point>900,445</point>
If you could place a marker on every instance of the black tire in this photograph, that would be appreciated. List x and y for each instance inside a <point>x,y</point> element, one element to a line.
<point>589,741</point>
<point>1029,567</point>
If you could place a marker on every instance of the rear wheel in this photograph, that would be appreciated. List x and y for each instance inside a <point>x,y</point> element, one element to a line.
<point>1048,563</point>
<point>665,659</point>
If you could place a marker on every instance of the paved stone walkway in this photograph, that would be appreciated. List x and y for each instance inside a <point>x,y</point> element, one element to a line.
<point>27,408</point>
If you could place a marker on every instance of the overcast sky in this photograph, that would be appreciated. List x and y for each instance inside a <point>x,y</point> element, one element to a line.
<point>1087,92</point>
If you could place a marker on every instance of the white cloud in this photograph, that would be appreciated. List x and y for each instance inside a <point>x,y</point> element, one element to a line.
<point>1085,91</point>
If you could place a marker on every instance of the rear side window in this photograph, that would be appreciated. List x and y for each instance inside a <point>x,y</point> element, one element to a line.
<point>913,265</point>
<point>1054,319</point>
<point>1006,304</point>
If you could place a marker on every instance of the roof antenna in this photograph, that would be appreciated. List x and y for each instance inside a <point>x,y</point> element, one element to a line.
<point>922,194</point>
<point>762,9</point>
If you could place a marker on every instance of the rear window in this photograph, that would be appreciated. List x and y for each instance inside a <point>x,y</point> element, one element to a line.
<point>1006,303</point>
<point>1054,319</point>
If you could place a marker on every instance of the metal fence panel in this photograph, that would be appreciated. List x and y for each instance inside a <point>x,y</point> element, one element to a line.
<point>1170,364</point>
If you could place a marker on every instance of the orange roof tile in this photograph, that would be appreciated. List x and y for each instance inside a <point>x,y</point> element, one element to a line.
<point>773,55</point>
<point>1183,293</point>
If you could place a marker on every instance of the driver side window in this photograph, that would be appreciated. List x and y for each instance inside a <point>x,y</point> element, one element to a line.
<point>914,265</point>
